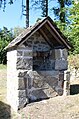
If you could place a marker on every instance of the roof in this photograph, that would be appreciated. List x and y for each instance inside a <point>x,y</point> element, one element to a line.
<point>45,26</point>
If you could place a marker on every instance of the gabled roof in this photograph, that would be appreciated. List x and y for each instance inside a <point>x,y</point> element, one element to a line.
<point>45,26</point>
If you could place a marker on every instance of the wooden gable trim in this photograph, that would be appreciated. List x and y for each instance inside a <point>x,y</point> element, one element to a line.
<point>32,32</point>
<point>59,35</point>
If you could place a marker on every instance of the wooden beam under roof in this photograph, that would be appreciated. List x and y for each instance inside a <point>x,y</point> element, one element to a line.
<point>65,42</point>
<point>50,37</point>
<point>45,37</point>
<point>53,33</point>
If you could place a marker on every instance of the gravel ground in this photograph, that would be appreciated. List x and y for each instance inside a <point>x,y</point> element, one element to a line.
<point>54,108</point>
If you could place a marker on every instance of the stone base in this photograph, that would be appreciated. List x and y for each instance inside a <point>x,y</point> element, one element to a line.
<point>44,84</point>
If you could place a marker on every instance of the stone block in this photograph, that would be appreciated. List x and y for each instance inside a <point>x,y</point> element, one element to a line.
<point>61,84</point>
<point>61,80</point>
<point>67,75</point>
<point>21,93</point>
<point>19,53</point>
<point>61,54</point>
<point>66,83</point>
<point>39,83</point>
<point>52,56</point>
<point>30,82</point>
<point>59,90</point>
<point>28,53</point>
<point>19,64</point>
<point>31,73</point>
<point>44,93</point>
<point>52,65</point>
<point>43,80</point>
<point>61,65</point>
<point>61,76</point>
<point>52,73</point>
<point>22,101</point>
<point>21,83</point>
<point>22,73</point>
<point>36,94</point>
<point>65,54</point>
<point>57,54</point>
<point>36,42</point>
<point>51,81</point>
<point>66,88</point>
<point>25,63</point>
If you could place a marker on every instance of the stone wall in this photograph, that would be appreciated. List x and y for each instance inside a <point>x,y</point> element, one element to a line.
<point>44,84</point>
<point>24,83</point>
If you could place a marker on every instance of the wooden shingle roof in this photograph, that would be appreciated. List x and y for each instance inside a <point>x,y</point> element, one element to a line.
<point>45,26</point>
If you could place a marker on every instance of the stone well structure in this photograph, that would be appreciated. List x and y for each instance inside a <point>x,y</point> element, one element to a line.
<point>37,64</point>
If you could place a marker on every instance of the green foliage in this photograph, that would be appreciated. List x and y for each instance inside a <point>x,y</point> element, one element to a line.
<point>71,28</point>
<point>5,37</point>
<point>17,30</point>
<point>74,27</point>
<point>61,10</point>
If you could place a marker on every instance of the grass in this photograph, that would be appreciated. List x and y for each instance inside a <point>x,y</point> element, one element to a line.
<point>3,66</point>
<point>2,82</point>
<point>5,110</point>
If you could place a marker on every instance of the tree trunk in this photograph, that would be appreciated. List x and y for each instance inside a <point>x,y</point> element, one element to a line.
<point>46,8</point>
<point>27,13</point>
<point>62,12</point>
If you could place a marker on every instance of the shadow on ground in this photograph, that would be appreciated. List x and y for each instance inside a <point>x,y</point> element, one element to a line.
<point>74,89</point>
<point>5,111</point>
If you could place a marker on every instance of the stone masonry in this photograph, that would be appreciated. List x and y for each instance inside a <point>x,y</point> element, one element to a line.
<point>28,84</point>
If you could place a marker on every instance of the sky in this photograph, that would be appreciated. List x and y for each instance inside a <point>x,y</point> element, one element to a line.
<point>12,17</point>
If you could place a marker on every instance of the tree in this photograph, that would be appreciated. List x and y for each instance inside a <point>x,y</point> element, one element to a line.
<point>3,3</point>
<point>44,7</point>
<point>25,11</point>
<point>24,8</point>
<point>72,29</point>
<point>60,11</point>
<point>5,37</point>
